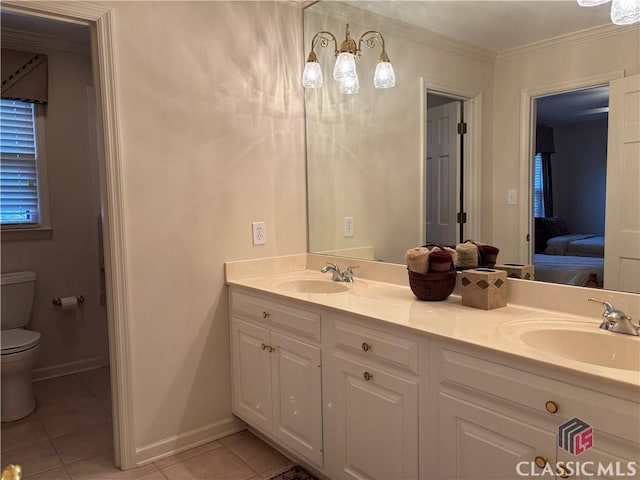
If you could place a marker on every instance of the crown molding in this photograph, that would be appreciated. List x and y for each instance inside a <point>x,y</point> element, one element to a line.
<point>563,41</point>
<point>21,39</point>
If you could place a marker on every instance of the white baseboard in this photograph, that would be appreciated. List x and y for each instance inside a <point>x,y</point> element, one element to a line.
<point>68,368</point>
<point>184,441</point>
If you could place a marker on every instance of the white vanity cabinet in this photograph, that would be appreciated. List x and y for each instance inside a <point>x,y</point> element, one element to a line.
<point>276,372</point>
<point>494,417</point>
<point>365,398</point>
<point>370,387</point>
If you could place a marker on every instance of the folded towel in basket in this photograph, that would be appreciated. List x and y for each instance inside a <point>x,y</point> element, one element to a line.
<point>418,259</point>
<point>467,255</point>
<point>440,261</point>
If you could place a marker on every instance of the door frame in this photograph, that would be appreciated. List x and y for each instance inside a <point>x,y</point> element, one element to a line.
<point>472,113</point>
<point>527,146</point>
<point>100,21</point>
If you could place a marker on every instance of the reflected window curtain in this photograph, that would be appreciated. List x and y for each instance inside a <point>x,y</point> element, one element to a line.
<point>544,148</point>
<point>538,187</point>
<point>25,76</point>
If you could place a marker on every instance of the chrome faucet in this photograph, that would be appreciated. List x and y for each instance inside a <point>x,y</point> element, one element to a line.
<point>346,276</point>
<point>616,321</point>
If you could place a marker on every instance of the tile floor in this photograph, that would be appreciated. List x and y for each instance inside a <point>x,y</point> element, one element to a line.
<point>69,437</point>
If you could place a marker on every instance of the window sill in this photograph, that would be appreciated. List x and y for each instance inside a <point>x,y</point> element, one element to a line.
<point>18,234</point>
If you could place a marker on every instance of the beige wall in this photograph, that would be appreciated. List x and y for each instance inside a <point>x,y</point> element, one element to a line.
<point>212,138</point>
<point>365,156</point>
<point>554,66</point>
<point>66,263</point>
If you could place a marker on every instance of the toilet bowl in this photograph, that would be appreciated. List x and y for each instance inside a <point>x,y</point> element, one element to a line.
<point>19,355</point>
<point>20,347</point>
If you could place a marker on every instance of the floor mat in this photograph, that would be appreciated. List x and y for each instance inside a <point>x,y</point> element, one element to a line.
<point>294,473</point>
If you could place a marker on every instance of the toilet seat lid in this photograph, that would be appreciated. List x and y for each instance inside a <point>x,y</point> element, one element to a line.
<point>18,340</point>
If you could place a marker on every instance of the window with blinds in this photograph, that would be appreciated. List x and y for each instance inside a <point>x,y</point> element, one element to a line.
<point>19,205</point>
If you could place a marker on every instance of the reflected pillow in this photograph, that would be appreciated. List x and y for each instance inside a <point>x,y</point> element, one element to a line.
<point>555,226</point>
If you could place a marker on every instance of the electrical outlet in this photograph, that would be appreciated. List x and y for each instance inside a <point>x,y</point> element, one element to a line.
<point>259,233</point>
<point>512,196</point>
<point>348,227</point>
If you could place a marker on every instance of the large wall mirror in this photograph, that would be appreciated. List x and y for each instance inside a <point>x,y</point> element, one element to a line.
<point>504,68</point>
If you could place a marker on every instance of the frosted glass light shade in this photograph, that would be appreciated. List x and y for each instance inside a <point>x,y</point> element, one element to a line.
<point>625,12</point>
<point>384,76</point>
<point>591,3</point>
<point>312,75</point>
<point>350,86</point>
<point>345,66</point>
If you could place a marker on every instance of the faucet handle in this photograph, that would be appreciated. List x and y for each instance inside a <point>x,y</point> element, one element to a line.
<point>348,273</point>
<point>608,307</point>
<point>616,320</point>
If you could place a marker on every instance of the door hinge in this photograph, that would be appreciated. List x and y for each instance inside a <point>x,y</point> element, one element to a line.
<point>462,217</point>
<point>462,128</point>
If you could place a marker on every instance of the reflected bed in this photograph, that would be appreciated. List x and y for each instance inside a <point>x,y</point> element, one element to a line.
<point>568,270</point>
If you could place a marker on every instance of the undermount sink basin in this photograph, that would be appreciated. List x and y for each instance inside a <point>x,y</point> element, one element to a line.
<point>313,286</point>
<point>583,343</point>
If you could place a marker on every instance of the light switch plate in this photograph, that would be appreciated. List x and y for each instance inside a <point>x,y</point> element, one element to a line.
<point>512,196</point>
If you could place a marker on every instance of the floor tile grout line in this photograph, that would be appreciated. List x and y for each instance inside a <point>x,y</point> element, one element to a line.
<point>173,456</point>
<point>243,461</point>
<point>64,464</point>
<point>161,472</point>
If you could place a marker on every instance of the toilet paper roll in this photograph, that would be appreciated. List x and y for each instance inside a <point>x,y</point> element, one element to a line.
<point>69,303</point>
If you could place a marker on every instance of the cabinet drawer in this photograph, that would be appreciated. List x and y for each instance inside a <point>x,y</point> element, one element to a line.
<point>376,345</point>
<point>276,314</point>
<point>520,388</point>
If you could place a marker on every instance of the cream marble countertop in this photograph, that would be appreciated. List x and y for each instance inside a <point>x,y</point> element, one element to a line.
<point>395,304</point>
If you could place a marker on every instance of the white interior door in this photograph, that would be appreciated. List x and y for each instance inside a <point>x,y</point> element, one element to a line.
<point>622,224</point>
<point>443,150</point>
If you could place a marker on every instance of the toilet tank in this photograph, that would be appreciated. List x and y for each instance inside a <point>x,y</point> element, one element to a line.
<point>17,290</point>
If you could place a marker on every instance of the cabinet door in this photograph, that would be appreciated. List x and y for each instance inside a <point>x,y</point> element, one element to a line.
<point>297,401</point>
<point>251,373</point>
<point>371,428</point>
<point>478,443</point>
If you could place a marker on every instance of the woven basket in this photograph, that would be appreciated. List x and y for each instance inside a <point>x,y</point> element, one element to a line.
<point>432,286</point>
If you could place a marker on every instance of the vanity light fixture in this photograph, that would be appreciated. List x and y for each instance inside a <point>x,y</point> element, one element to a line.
<point>344,70</point>
<point>623,12</point>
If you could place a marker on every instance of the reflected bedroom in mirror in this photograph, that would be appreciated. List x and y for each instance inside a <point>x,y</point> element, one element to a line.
<point>504,124</point>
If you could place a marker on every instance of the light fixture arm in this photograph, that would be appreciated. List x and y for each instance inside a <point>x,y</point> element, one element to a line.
<point>322,38</point>
<point>371,42</point>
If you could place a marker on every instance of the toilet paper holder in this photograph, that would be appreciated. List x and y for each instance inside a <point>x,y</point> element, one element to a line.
<point>57,301</point>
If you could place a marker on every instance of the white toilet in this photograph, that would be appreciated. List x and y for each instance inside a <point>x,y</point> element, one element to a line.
<point>20,347</point>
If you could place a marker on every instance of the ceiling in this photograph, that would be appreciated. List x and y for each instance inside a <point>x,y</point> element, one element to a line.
<point>45,29</point>
<point>573,107</point>
<point>494,25</point>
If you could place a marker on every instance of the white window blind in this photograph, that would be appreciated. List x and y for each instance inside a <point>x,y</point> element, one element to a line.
<point>18,168</point>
